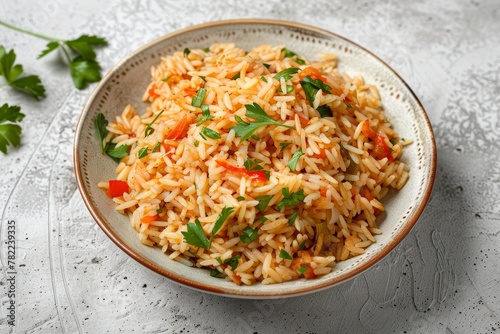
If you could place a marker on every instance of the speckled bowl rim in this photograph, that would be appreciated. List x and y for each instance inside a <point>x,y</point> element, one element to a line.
<point>211,289</point>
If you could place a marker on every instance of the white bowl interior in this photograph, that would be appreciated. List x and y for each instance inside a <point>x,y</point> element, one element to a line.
<point>127,81</point>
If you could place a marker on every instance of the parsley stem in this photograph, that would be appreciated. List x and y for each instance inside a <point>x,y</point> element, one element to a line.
<point>65,53</point>
<point>24,31</point>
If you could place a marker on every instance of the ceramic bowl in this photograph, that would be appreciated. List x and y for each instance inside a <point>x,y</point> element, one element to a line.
<point>126,82</point>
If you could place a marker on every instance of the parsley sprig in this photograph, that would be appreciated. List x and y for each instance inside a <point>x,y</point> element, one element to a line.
<point>10,131</point>
<point>311,88</point>
<point>29,84</point>
<point>78,52</point>
<point>116,153</point>
<point>196,236</point>
<point>245,129</point>
<point>290,199</point>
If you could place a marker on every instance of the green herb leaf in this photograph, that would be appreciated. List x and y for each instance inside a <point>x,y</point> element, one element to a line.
<point>263,202</point>
<point>205,111</point>
<point>84,72</point>
<point>318,84</point>
<point>302,244</point>
<point>48,49</point>
<point>149,130</point>
<point>255,111</point>
<point>195,235</point>
<point>286,73</point>
<point>290,200</point>
<point>262,220</point>
<point>233,261</point>
<point>324,111</point>
<point>142,152</point>
<point>293,217</point>
<point>266,65</point>
<point>310,91</point>
<point>159,210</point>
<point>290,54</point>
<point>216,273</point>
<point>199,97</point>
<point>196,143</point>
<point>226,211</point>
<point>255,137</point>
<point>117,153</point>
<point>284,145</point>
<point>218,258</point>
<point>289,88</point>
<point>240,198</point>
<point>249,235</point>
<point>30,84</point>
<point>263,78</point>
<point>236,76</point>
<point>240,121</point>
<point>156,147</point>
<point>251,165</point>
<point>210,133</point>
<point>187,52</point>
<point>302,269</point>
<point>206,50</point>
<point>284,255</point>
<point>100,124</point>
<point>165,79</point>
<point>348,105</point>
<point>10,132</point>
<point>295,159</point>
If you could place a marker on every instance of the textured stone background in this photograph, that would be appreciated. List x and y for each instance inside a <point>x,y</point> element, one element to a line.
<point>443,278</point>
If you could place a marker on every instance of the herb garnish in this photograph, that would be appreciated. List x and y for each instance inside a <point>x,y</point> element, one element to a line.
<point>198,98</point>
<point>249,235</point>
<point>210,133</point>
<point>286,73</point>
<point>196,236</point>
<point>205,111</point>
<point>290,200</point>
<point>233,261</point>
<point>156,147</point>
<point>187,52</point>
<point>302,244</point>
<point>10,132</point>
<point>254,111</point>
<point>149,130</point>
<point>284,255</point>
<point>263,202</point>
<point>263,78</point>
<point>240,198</point>
<point>236,76</point>
<point>292,164</point>
<point>311,88</point>
<point>117,153</point>
<point>142,152</point>
<point>284,145</point>
<point>262,220</point>
<point>293,217</point>
<point>290,54</point>
<point>29,84</point>
<point>216,273</point>
<point>251,165</point>
<point>302,269</point>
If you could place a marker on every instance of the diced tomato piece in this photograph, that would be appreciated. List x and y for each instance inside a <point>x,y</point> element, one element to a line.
<point>322,191</point>
<point>381,150</point>
<point>117,188</point>
<point>313,73</point>
<point>149,219</point>
<point>353,192</point>
<point>181,128</point>
<point>308,273</point>
<point>321,154</point>
<point>253,175</point>
<point>152,92</point>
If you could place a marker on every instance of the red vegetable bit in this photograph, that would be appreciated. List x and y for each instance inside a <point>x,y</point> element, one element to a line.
<point>117,188</point>
<point>181,128</point>
<point>353,192</point>
<point>152,92</point>
<point>308,273</point>
<point>313,73</point>
<point>258,175</point>
<point>322,191</point>
<point>149,219</point>
<point>381,150</point>
<point>321,154</point>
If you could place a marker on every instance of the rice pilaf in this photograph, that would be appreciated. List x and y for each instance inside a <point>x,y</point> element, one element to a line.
<point>261,166</point>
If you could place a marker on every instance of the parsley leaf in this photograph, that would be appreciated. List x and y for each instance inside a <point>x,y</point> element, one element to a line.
<point>216,273</point>
<point>324,111</point>
<point>187,52</point>
<point>84,71</point>
<point>251,165</point>
<point>290,54</point>
<point>249,235</point>
<point>295,159</point>
<point>210,133</point>
<point>302,244</point>
<point>149,130</point>
<point>311,88</point>
<point>240,198</point>
<point>233,261</point>
<point>142,152</point>
<point>205,111</point>
<point>255,111</point>
<point>198,98</point>
<point>302,269</point>
<point>289,88</point>
<point>286,73</point>
<point>236,76</point>
<point>156,147</point>
<point>195,235</point>
<point>10,132</point>
<point>100,123</point>
<point>318,84</point>
<point>284,255</point>
<point>284,145</point>
<point>30,84</point>
<point>293,217</point>
<point>263,202</point>
<point>263,78</point>
<point>226,211</point>
<point>116,153</point>
<point>290,200</point>
<point>262,220</point>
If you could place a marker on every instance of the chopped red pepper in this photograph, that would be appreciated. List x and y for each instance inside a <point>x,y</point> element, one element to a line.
<point>149,219</point>
<point>258,175</point>
<point>152,92</point>
<point>313,73</point>
<point>308,273</point>
<point>117,188</point>
<point>181,128</point>
<point>381,150</point>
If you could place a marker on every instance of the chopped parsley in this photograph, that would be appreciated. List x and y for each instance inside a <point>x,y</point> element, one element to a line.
<point>284,255</point>
<point>286,73</point>
<point>117,153</point>
<point>236,76</point>
<point>293,217</point>
<point>210,133</point>
<point>199,97</point>
<point>252,165</point>
<point>295,159</point>
<point>262,220</point>
<point>263,78</point>
<point>233,261</point>
<point>142,152</point>
<point>196,236</point>
<point>187,52</point>
<point>254,111</point>
<point>156,147</point>
<point>149,130</point>
<point>290,199</point>
<point>216,273</point>
<point>302,244</point>
<point>263,202</point>
<point>302,269</point>
<point>248,235</point>
<point>284,145</point>
<point>240,198</point>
